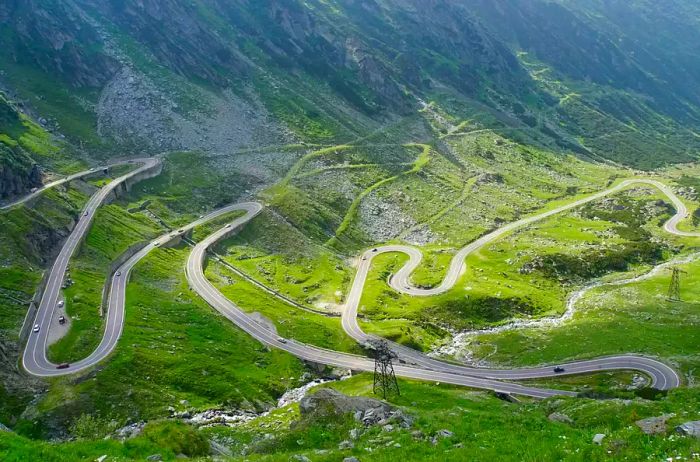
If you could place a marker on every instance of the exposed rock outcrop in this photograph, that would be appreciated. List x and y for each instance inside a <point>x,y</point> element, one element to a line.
<point>18,173</point>
<point>328,402</point>
<point>690,428</point>
<point>653,425</point>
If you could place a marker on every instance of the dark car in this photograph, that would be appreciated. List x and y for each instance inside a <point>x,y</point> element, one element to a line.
<point>559,369</point>
<point>63,366</point>
<point>61,319</point>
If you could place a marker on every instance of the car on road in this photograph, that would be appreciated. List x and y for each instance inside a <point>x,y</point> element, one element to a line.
<point>118,273</point>
<point>374,250</point>
<point>36,328</point>
<point>61,319</point>
<point>86,213</point>
<point>60,303</point>
<point>228,225</point>
<point>156,244</point>
<point>559,369</point>
<point>281,339</point>
<point>63,366</point>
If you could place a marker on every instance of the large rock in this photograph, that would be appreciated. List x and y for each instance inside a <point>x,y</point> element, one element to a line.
<point>328,402</point>
<point>690,428</point>
<point>559,417</point>
<point>653,425</point>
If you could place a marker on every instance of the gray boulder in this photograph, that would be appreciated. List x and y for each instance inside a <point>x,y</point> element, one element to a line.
<point>561,418</point>
<point>327,403</point>
<point>347,444</point>
<point>690,428</point>
<point>440,434</point>
<point>653,425</point>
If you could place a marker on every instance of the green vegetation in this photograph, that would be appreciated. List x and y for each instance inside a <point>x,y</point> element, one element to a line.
<point>610,320</point>
<point>113,232</point>
<point>28,237</point>
<point>429,126</point>
<point>420,162</point>
<point>280,256</point>
<point>23,143</point>
<point>477,421</point>
<point>170,336</point>
<point>288,321</point>
<point>56,100</point>
<point>168,438</point>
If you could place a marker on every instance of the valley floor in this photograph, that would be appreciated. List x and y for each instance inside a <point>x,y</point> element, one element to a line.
<point>526,274</point>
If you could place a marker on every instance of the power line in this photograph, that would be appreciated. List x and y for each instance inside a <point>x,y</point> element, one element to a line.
<point>384,378</point>
<point>674,289</point>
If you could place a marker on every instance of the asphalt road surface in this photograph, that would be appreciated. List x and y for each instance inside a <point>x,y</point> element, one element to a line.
<point>34,357</point>
<point>412,365</point>
<point>61,181</point>
<point>663,377</point>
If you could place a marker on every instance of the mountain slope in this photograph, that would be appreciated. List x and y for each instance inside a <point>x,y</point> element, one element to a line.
<point>335,71</point>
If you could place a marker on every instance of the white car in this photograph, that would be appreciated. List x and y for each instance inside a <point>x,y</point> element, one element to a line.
<point>119,273</point>
<point>60,304</point>
<point>36,328</point>
<point>281,340</point>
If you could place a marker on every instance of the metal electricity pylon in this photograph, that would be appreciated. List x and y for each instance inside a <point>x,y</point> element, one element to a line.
<point>384,378</point>
<point>674,289</point>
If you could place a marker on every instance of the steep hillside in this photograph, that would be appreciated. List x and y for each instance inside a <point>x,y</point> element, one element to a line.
<point>18,173</point>
<point>221,75</point>
<point>355,124</point>
<point>25,147</point>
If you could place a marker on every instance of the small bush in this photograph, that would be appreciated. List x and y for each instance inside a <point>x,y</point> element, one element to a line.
<point>178,437</point>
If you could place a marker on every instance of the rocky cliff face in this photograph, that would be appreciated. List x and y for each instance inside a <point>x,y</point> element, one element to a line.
<point>18,173</point>
<point>56,38</point>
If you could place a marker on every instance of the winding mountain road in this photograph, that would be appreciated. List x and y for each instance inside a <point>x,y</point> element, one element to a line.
<point>34,358</point>
<point>414,364</point>
<point>53,184</point>
<point>663,376</point>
